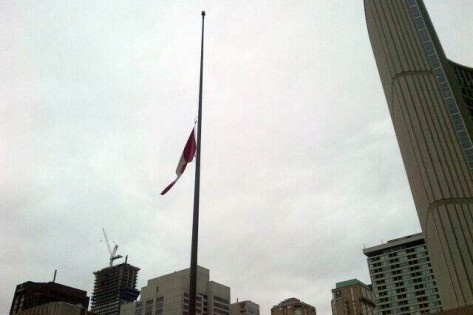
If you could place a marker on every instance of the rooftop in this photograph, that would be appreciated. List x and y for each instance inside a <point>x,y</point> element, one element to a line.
<point>414,238</point>
<point>348,283</point>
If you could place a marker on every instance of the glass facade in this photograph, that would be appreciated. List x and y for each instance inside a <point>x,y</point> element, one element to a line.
<point>464,77</point>
<point>445,88</point>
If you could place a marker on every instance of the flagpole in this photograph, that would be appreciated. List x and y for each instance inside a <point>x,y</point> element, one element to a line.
<point>195,221</point>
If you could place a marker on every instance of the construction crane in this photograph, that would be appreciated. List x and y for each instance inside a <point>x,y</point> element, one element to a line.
<point>113,253</point>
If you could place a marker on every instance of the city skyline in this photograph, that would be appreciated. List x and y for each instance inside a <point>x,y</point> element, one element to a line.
<point>99,99</point>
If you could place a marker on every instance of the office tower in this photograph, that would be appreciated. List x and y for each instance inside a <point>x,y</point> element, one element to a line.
<point>353,297</point>
<point>31,294</point>
<point>402,277</point>
<point>430,99</point>
<point>244,308</point>
<point>293,306</point>
<point>169,294</point>
<point>113,287</point>
<point>57,308</point>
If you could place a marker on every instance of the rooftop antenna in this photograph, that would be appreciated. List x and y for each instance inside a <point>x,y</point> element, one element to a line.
<point>55,273</point>
<point>113,253</point>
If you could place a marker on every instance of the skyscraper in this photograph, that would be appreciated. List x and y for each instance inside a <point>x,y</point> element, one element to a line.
<point>353,297</point>
<point>113,287</point>
<point>430,99</point>
<point>402,277</point>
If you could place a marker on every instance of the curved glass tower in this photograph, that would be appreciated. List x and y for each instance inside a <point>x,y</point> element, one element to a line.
<point>430,99</point>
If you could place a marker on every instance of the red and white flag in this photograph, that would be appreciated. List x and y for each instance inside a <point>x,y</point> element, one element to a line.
<point>186,157</point>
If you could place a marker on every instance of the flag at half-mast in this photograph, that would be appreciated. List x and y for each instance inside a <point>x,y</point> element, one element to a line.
<point>186,157</point>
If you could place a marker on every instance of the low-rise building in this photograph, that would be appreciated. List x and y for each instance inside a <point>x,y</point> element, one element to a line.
<point>31,294</point>
<point>244,308</point>
<point>353,297</point>
<point>57,308</point>
<point>293,306</point>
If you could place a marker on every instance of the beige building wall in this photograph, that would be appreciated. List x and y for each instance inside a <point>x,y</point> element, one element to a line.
<point>353,297</point>
<point>244,308</point>
<point>433,126</point>
<point>56,308</point>
<point>169,295</point>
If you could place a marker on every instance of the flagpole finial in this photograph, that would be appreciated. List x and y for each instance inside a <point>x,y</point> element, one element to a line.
<point>203,13</point>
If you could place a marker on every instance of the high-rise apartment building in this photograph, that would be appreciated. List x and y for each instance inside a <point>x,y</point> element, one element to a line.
<point>430,99</point>
<point>113,287</point>
<point>244,308</point>
<point>402,277</point>
<point>32,294</point>
<point>169,294</point>
<point>353,297</point>
<point>293,306</point>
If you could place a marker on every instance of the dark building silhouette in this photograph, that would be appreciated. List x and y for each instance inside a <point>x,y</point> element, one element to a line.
<point>430,99</point>
<point>32,294</point>
<point>113,287</point>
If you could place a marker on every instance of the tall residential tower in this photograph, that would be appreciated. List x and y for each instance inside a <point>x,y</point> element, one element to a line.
<point>430,99</point>
<point>402,277</point>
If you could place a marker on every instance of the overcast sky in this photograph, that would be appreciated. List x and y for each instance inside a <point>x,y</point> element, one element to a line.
<point>300,164</point>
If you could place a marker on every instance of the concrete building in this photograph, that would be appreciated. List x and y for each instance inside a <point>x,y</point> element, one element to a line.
<point>57,308</point>
<point>402,277</point>
<point>113,287</point>
<point>430,99</point>
<point>293,306</point>
<point>169,295</point>
<point>31,294</point>
<point>244,308</point>
<point>353,297</point>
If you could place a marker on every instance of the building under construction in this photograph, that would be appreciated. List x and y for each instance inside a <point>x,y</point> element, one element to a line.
<point>114,286</point>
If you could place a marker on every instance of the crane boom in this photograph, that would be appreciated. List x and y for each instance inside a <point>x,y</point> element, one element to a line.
<point>106,240</point>
<point>113,253</point>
